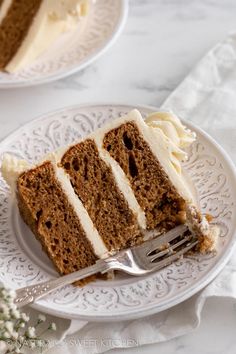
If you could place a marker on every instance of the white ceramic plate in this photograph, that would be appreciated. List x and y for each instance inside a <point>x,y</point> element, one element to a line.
<point>22,262</point>
<point>74,51</point>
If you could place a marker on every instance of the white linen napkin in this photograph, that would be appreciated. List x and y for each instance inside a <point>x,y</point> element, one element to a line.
<point>208,98</point>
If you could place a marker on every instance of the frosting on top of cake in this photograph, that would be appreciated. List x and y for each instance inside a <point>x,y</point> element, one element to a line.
<point>53,18</point>
<point>172,127</point>
<point>177,136</point>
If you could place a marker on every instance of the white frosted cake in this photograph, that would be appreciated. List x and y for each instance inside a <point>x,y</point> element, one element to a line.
<point>108,191</point>
<point>29,27</point>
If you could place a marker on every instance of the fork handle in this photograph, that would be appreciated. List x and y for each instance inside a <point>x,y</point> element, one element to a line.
<point>29,294</point>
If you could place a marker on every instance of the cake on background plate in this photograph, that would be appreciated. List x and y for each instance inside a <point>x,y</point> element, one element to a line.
<point>108,191</point>
<point>29,27</point>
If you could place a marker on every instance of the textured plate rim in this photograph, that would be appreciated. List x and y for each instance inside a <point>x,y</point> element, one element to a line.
<point>85,62</point>
<point>149,309</point>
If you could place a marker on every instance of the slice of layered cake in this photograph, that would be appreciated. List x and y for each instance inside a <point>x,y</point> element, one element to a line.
<point>29,27</point>
<point>109,191</point>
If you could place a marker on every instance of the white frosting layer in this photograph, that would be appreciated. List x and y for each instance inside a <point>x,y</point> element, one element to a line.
<point>122,182</point>
<point>172,127</point>
<point>53,18</point>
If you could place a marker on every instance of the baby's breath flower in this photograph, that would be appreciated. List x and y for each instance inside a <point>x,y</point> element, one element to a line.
<point>30,332</point>
<point>9,327</point>
<point>22,325</point>
<point>13,337</point>
<point>53,326</point>
<point>40,343</point>
<point>10,301</point>
<point>32,344</point>
<point>15,314</point>
<point>4,310</point>
<point>12,306</point>
<point>6,335</point>
<point>24,317</point>
<point>12,294</point>
<point>41,318</point>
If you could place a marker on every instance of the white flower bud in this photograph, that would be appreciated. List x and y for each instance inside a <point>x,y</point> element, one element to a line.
<point>53,326</point>
<point>22,325</point>
<point>41,318</point>
<point>15,335</point>
<point>40,343</point>
<point>6,335</point>
<point>30,332</point>
<point>32,344</point>
<point>16,314</point>
<point>9,327</point>
<point>24,317</point>
<point>4,310</point>
<point>12,294</point>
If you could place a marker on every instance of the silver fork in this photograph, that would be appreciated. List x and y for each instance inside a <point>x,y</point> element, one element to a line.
<point>152,255</point>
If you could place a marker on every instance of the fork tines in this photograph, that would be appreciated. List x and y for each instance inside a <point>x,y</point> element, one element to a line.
<point>169,246</point>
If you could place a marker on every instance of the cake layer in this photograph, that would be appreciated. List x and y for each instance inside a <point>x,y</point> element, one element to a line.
<point>15,26</point>
<point>161,202</point>
<point>46,209</point>
<point>94,184</point>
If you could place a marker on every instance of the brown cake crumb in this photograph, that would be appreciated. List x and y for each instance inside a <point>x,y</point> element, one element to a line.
<point>209,217</point>
<point>199,225</point>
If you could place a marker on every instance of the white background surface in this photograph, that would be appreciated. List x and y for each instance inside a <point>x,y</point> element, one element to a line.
<point>162,41</point>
